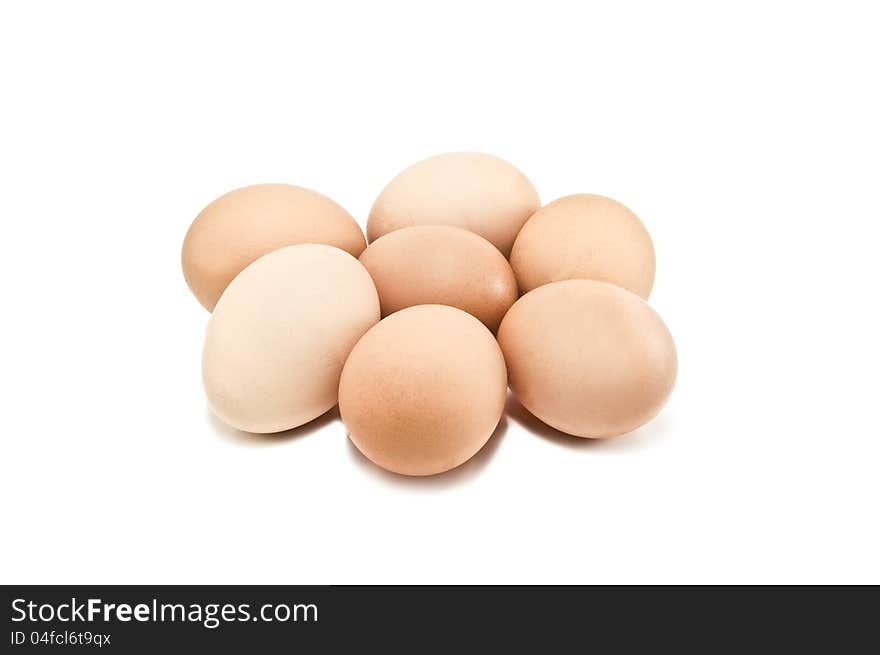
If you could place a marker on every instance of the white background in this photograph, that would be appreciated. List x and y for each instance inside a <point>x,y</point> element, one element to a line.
<point>744,134</point>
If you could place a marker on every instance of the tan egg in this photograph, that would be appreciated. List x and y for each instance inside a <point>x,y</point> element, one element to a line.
<point>471,190</point>
<point>423,390</point>
<point>584,236</point>
<point>279,335</point>
<point>247,223</point>
<point>442,265</point>
<point>588,358</point>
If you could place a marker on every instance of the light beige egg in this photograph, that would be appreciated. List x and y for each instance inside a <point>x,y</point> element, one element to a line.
<point>423,390</point>
<point>443,265</point>
<point>247,223</point>
<point>584,236</point>
<point>588,358</point>
<point>280,334</point>
<point>471,190</point>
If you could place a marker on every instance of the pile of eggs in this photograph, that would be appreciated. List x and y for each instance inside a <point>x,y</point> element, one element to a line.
<point>468,285</point>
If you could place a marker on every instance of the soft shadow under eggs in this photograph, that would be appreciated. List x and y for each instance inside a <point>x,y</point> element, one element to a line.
<point>242,438</point>
<point>638,438</point>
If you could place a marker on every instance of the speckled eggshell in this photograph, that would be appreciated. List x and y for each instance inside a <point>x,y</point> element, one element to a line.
<point>584,236</point>
<point>443,265</point>
<point>245,224</point>
<point>280,334</point>
<point>588,358</point>
<point>471,190</point>
<point>423,390</point>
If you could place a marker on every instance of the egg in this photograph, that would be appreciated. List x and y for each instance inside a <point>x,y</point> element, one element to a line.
<point>588,358</point>
<point>584,236</point>
<point>443,265</point>
<point>471,190</point>
<point>247,223</point>
<point>423,390</point>
<point>280,333</point>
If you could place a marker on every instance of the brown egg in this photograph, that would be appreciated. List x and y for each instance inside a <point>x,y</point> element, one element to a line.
<point>442,265</point>
<point>279,335</point>
<point>423,390</point>
<point>247,223</point>
<point>480,193</point>
<point>584,236</point>
<point>588,358</point>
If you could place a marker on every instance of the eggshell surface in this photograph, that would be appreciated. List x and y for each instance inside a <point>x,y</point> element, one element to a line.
<point>280,333</point>
<point>423,390</point>
<point>245,224</point>
<point>584,236</point>
<point>439,264</point>
<point>588,358</point>
<point>471,190</point>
